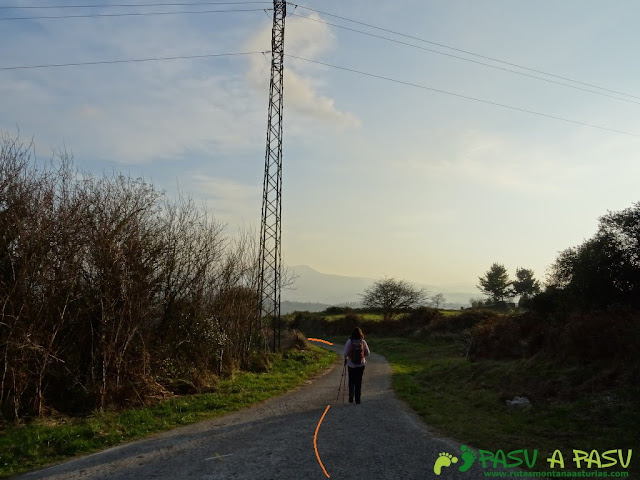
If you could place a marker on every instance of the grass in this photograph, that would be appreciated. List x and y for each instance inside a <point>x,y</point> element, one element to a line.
<point>40,443</point>
<point>466,400</point>
<point>375,317</point>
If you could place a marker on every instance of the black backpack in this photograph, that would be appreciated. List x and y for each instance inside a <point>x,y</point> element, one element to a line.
<point>356,352</point>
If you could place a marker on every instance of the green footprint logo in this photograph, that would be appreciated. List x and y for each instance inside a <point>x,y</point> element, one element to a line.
<point>468,457</point>
<point>444,460</point>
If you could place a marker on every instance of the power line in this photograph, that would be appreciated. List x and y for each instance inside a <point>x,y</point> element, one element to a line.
<point>466,59</point>
<point>51,17</point>
<point>466,97</point>
<point>380,77</point>
<point>132,60</point>
<point>185,4</point>
<point>186,57</point>
<point>464,51</point>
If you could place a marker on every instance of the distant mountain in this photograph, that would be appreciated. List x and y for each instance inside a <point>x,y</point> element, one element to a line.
<point>288,307</point>
<point>314,287</point>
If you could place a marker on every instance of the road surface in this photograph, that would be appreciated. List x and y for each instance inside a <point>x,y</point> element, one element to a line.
<point>378,439</point>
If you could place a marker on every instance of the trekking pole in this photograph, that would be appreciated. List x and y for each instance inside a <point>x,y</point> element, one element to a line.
<point>344,388</point>
<point>340,387</point>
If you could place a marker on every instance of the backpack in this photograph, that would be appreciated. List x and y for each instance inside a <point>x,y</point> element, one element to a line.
<point>356,352</point>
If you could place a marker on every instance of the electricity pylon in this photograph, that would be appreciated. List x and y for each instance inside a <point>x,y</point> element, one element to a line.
<point>270,279</point>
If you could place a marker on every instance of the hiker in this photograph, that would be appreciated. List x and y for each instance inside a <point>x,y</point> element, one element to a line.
<point>355,351</point>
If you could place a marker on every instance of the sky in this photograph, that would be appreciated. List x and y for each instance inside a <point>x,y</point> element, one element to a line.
<point>380,178</point>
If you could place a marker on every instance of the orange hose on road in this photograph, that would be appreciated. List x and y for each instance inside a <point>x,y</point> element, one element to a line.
<point>315,444</point>
<point>319,340</point>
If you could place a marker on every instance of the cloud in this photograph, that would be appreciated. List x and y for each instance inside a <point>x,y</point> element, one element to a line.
<point>140,113</point>
<point>216,187</point>
<point>90,111</point>
<point>307,39</point>
<point>498,161</point>
<point>231,201</point>
<point>133,113</point>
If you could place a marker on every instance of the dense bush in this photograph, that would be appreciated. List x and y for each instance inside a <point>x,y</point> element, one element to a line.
<point>421,316</point>
<point>316,324</point>
<point>502,336</point>
<point>337,310</point>
<point>583,337</point>
<point>460,322</point>
<point>109,292</point>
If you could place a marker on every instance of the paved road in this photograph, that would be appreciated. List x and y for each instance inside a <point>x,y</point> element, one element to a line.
<point>378,439</point>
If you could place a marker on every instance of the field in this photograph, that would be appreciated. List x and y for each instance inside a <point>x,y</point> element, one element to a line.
<point>466,400</point>
<point>375,317</point>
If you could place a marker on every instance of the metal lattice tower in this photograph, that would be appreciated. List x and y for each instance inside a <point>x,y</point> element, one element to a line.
<point>270,230</point>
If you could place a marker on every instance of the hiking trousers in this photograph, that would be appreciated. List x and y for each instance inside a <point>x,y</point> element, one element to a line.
<point>355,382</point>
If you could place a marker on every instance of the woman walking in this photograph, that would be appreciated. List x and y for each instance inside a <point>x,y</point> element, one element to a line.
<point>355,351</point>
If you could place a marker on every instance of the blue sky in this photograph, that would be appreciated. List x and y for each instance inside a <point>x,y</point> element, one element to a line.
<point>380,178</point>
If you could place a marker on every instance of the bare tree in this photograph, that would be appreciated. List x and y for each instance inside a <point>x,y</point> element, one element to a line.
<point>105,288</point>
<point>192,256</point>
<point>119,269</point>
<point>437,300</point>
<point>392,297</point>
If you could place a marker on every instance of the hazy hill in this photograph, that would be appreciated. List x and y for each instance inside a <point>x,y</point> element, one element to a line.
<point>289,307</point>
<point>314,287</point>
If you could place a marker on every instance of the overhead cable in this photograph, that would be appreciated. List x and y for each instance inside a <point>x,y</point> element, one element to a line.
<point>131,60</point>
<point>141,14</point>
<point>112,5</point>
<point>466,97</point>
<point>463,51</point>
<point>467,59</point>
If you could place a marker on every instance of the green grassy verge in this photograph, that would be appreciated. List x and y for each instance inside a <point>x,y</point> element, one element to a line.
<point>466,400</point>
<point>40,443</point>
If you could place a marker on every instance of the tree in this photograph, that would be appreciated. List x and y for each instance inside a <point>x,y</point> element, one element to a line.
<point>437,300</point>
<point>604,269</point>
<point>496,284</point>
<point>525,285</point>
<point>393,297</point>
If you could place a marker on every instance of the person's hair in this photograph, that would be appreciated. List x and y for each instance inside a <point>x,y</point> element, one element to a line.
<point>357,334</point>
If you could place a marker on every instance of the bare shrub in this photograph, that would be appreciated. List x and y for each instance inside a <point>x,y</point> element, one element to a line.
<point>109,292</point>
